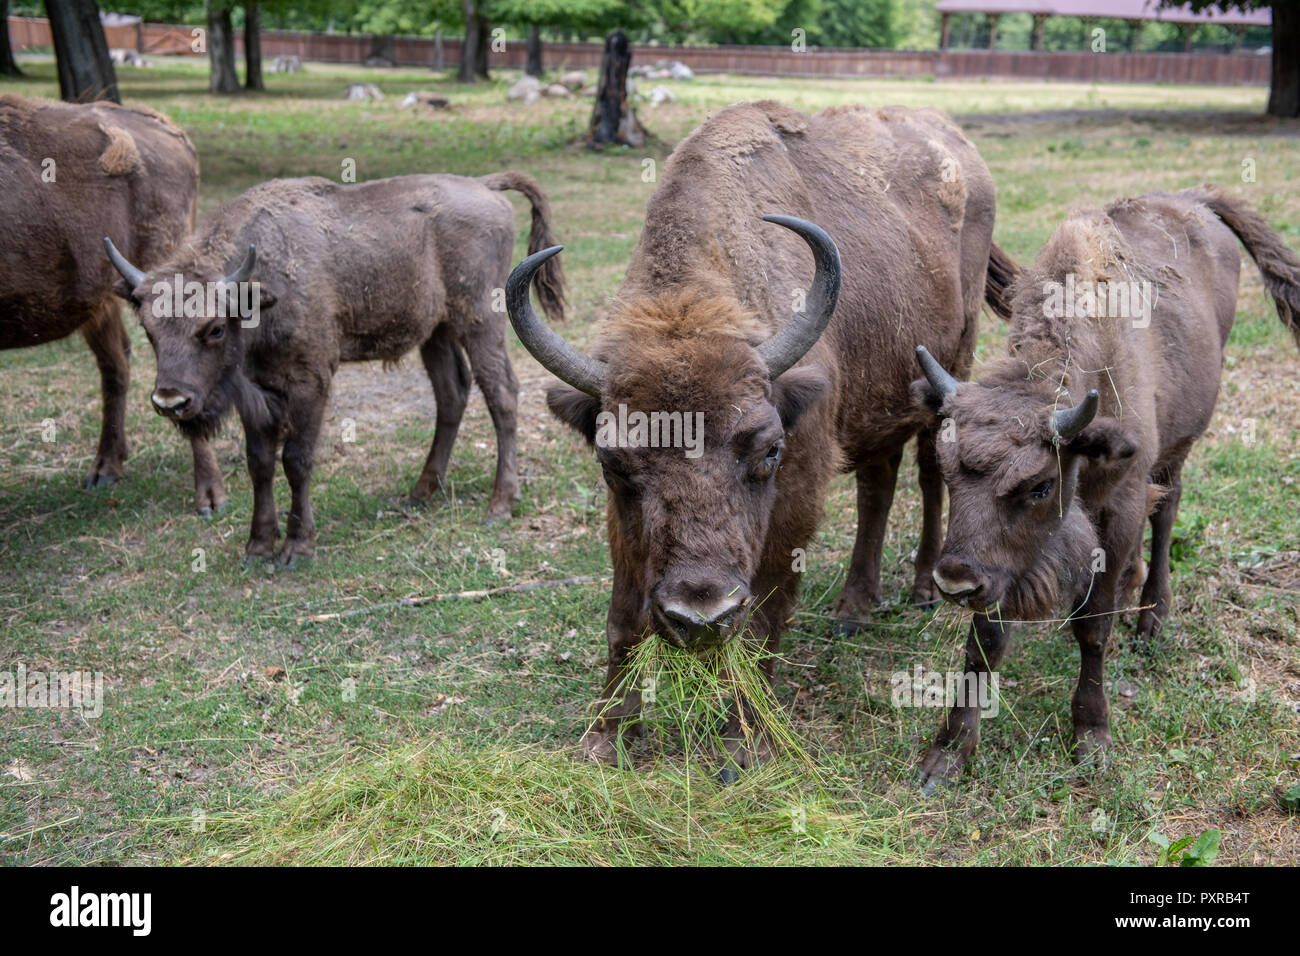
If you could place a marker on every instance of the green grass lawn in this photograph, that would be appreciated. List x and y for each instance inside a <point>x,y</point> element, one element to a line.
<point>235,729</point>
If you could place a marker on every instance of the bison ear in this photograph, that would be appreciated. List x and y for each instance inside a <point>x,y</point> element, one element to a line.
<point>576,409</point>
<point>925,397</point>
<point>266,298</point>
<point>796,391</point>
<point>1105,440</point>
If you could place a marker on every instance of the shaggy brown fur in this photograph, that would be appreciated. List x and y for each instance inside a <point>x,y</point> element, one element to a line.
<point>909,203</point>
<point>124,172</point>
<point>1038,524</point>
<point>348,273</point>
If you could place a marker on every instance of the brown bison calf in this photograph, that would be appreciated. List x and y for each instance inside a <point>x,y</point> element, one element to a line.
<point>70,174</point>
<point>346,274</point>
<point>1063,449</point>
<point>719,330</point>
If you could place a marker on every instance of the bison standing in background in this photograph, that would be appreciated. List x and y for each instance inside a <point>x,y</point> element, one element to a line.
<point>346,274</point>
<point>706,542</point>
<point>1063,449</point>
<point>68,176</point>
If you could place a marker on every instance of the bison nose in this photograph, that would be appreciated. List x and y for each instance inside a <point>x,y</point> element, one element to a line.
<point>706,620</point>
<point>170,402</point>
<point>956,581</point>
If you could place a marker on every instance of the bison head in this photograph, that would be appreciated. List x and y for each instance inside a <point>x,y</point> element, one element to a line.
<point>195,322</point>
<point>689,409</point>
<point>1019,542</point>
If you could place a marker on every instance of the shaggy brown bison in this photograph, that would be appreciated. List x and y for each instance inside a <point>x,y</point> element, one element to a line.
<point>708,540</point>
<point>1063,449</point>
<point>69,175</point>
<point>343,274</point>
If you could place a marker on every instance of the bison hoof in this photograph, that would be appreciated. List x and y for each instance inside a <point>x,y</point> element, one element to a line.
<point>727,776</point>
<point>601,746</point>
<point>208,511</point>
<point>852,612</point>
<point>100,480</point>
<point>1092,749</point>
<point>940,770</point>
<point>296,553</point>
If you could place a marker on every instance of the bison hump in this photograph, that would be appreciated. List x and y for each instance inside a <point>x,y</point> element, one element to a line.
<point>120,157</point>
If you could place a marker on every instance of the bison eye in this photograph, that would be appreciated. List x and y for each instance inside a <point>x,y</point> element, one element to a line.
<point>767,467</point>
<point>1041,491</point>
<point>214,334</point>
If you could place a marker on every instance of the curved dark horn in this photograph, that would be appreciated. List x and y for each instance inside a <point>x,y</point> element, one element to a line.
<point>793,340</point>
<point>938,377</point>
<point>1068,422</point>
<point>245,268</point>
<point>558,357</point>
<point>130,273</point>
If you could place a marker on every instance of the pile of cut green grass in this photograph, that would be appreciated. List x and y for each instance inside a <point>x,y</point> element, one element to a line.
<point>443,803</point>
<point>440,803</point>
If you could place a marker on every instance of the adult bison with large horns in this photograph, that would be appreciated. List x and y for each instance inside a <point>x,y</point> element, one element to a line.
<point>725,317</point>
<point>70,174</point>
<point>341,274</point>
<point>1064,448</point>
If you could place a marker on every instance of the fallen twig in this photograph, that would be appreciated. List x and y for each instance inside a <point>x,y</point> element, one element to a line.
<point>453,596</point>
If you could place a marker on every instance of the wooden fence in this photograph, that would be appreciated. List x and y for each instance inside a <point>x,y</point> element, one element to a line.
<point>1217,69</point>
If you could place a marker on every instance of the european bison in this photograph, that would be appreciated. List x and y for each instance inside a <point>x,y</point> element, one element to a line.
<point>1063,449</point>
<point>70,174</point>
<point>345,274</point>
<point>709,540</point>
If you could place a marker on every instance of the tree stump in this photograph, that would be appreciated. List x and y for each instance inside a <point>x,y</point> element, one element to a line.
<point>612,118</point>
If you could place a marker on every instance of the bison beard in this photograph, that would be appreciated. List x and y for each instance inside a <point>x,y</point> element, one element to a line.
<point>257,408</point>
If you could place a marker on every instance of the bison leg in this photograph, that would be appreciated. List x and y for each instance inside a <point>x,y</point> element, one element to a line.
<point>450,378</point>
<point>299,450</point>
<point>960,730</point>
<point>625,628</point>
<point>486,344</point>
<point>1089,707</point>
<point>107,338</point>
<point>209,488</point>
<point>861,592</point>
<point>1120,531</point>
<point>1156,592</point>
<point>259,443</point>
<point>924,591</point>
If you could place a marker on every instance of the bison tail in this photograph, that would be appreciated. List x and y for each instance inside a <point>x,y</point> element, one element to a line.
<point>550,277</point>
<point>1276,262</point>
<point>1002,272</point>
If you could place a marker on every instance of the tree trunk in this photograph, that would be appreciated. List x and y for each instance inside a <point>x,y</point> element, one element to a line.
<point>482,48</point>
<point>8,65</point>
<point>469,45</point>
<point>612,118</point>
<point>81,52</point>
<point>383,50</point>
<point>253,46</point>
<point>534,67</point>
<point>439,61</point>
<point>1284,91</point>
<point>222,77</point>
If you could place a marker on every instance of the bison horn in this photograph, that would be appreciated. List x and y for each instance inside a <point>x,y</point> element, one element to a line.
<point>558,357</point>
<point>130,273</point>
<point>938,377</point>
<point>1068,422</point>
<point>245,268</point>
<point>801,333</point>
